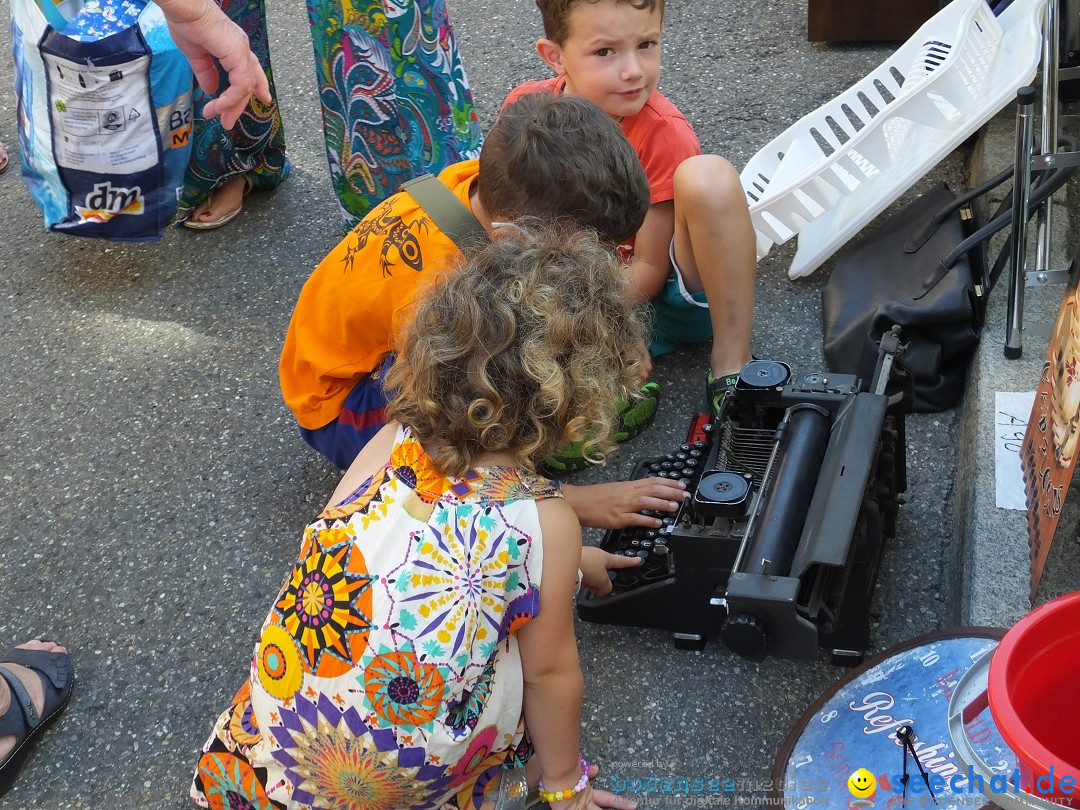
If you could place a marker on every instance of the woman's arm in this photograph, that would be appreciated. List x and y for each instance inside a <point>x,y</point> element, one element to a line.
<point>553,682</point>
<point>651,265</point>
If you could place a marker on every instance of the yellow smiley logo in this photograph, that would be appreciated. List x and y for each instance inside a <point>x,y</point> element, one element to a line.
<point>862,784</point>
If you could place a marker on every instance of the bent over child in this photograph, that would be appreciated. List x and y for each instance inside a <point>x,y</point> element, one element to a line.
<point>339,345</point>
<point>423,644</point>
<point>694,257</point>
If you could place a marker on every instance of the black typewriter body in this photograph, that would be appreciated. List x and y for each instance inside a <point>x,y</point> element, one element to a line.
<point>795,493</point>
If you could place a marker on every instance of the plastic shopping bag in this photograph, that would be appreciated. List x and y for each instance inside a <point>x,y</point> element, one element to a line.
<point>104,116</point>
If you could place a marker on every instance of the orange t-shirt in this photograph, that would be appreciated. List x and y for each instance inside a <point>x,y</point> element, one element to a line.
<point>345,317</point>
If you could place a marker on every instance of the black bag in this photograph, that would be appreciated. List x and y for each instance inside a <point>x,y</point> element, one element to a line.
<point>925,270</point>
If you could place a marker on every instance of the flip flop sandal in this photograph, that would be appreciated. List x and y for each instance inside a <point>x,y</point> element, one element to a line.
<point>224,219</point>
<point>21,718</point>
<point>513,793</point>
<point>3,159</point>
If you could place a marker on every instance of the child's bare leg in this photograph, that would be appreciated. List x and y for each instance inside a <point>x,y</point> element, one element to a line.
<point>715,250</point>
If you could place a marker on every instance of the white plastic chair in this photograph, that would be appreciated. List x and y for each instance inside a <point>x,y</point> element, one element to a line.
<point>837,168</point>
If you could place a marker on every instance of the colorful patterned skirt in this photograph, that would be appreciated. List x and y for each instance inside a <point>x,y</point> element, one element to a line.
<point>395,103</point>
<point>256,144</point>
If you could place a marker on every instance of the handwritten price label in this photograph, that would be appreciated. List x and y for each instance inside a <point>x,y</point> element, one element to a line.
<point>1011,413</point>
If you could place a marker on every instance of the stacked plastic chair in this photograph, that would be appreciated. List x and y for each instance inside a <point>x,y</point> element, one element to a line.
<point>837,168</point>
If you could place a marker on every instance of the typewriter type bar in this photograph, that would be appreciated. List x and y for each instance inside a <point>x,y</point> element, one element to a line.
<point>795,492</point>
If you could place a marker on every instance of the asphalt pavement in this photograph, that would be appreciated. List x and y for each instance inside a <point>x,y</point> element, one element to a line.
<point>154,487</point>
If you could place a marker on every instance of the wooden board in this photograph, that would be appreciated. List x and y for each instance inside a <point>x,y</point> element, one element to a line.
<point>1052,438</point>
<point>866,20</point>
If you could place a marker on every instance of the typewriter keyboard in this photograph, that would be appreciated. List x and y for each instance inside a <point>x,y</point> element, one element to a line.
<point>684,463</point>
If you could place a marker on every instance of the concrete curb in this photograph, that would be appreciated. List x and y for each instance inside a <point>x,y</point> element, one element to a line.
<point>993,556</point>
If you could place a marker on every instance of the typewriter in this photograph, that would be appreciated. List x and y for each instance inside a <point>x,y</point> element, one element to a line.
<point>795,488</point>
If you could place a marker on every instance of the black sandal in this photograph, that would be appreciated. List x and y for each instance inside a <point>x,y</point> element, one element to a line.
<point>21,718</point>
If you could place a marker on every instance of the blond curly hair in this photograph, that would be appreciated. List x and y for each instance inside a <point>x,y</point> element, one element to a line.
<point>525,348</point>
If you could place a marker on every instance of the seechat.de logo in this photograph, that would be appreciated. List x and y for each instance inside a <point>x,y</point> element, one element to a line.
<point>1060,787</point>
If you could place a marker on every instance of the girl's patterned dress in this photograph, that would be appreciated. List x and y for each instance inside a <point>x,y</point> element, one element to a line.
<point>395,103</point>
<point>388,673</point>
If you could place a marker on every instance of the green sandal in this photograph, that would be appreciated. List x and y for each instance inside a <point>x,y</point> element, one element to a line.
<point>634,417</point>
<point>717,389</point>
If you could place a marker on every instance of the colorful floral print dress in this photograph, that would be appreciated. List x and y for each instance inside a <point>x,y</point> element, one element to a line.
<point>388,674</point>
<point>395,98</point>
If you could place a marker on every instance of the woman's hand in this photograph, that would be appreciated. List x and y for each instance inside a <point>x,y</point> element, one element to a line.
<point>640,352</point>
<point>208,38</point>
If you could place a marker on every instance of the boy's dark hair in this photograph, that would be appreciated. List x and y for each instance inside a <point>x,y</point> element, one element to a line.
<point>562,159</point>
<point>556,15</point>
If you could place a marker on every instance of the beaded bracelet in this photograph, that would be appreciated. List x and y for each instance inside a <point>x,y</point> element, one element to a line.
<point>548,796</point>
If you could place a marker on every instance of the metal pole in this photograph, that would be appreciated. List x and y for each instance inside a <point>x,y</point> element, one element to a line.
<point>1025,126</point>
<point>1049,130</point>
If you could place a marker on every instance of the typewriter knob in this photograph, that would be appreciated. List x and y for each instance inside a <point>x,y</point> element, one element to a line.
<point>744,634</point>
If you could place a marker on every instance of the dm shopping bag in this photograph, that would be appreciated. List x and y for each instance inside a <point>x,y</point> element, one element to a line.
<point>104,117</point>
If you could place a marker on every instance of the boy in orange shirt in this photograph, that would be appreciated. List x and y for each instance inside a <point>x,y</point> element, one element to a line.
<point>340,338</point>
<point>697,243</point>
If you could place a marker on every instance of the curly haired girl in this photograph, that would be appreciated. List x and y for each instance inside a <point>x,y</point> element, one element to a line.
<point>428,621</point>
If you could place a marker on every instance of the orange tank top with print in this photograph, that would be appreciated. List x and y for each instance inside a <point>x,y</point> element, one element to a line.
<point>348,310</point>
